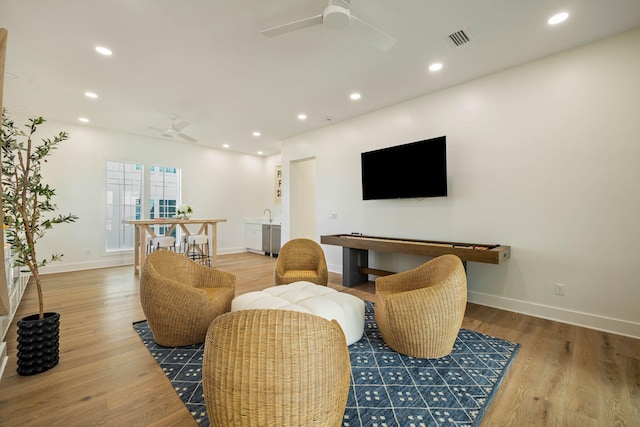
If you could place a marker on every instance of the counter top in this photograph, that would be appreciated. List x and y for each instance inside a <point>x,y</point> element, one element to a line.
<point>263,221</point>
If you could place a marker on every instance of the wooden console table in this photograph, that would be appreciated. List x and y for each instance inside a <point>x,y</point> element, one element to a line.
<point>355,252</point>
<point>144,226</point>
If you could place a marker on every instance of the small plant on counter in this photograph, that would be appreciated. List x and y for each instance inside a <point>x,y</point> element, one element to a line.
<point>184,211</point>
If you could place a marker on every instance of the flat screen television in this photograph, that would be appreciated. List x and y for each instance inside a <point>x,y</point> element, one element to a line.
<point>414,170</point>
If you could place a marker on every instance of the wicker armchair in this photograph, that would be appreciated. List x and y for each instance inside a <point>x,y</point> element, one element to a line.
<point>301,259</point>
<point>180,297</point>
<point>419,312</point>
<point>275,368</point>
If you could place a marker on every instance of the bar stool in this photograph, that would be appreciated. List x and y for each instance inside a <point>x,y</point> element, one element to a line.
<point>162,242</point>
<point>197,248</point>
<point>147,245</point>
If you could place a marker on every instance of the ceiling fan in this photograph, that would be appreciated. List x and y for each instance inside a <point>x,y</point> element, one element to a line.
<point>337,15</point>
<point>174,130</point>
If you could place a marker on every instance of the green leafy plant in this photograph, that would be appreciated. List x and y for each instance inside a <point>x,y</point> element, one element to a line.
<point>26,200</point>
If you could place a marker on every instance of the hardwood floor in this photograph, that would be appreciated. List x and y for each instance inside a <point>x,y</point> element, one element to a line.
<point>563,375</point>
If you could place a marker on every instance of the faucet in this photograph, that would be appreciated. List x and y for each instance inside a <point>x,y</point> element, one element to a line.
<point>267,210</point>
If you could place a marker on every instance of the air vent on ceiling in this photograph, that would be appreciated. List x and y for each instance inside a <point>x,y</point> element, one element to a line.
<point>458,38</point>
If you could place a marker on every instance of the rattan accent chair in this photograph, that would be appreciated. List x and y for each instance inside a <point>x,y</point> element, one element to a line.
<point>301,259</point>
<point>419,312</point>
<point>275,368</point>
<point>180,297</point>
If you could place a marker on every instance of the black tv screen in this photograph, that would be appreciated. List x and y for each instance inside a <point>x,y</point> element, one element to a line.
<point>414,170</point>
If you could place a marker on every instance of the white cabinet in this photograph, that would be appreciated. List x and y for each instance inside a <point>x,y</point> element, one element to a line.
<point>16,284</point>
<point>253,237</point>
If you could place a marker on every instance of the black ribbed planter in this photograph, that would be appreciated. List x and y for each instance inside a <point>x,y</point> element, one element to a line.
<point>38,343</point>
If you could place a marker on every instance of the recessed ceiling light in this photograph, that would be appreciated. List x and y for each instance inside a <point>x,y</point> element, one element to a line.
<point>83,119</point>
<point>90,95</point>
<point>355,96</point>
<point>103,51</point>
<point>436,66</point>
<point>260,152</point>
<point>256,133</point>
<point>225,145</point>
<point>558,18</point>
<point>302,116</point>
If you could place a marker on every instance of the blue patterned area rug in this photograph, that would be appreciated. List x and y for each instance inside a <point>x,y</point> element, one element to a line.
<point>387,388</point>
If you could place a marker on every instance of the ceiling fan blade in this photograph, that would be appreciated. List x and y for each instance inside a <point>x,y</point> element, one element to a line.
<point>187,137</point>
<point>376,37</point>
<point>293,26</point>
<point>157,129</point>
<point>180,125</point>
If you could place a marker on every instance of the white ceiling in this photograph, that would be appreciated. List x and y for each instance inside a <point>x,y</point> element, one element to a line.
<point>207,61</point>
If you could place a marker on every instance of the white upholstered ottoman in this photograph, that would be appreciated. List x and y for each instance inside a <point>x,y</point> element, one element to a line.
<point>347,310</point>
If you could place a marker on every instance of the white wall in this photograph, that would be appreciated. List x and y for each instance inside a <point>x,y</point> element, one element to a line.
<point>217,183</point>
<point>543,157</point>
<point>302,198</point>
<point>267,188</point>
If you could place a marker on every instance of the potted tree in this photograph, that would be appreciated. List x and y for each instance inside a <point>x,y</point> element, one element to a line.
<point>28,213</point>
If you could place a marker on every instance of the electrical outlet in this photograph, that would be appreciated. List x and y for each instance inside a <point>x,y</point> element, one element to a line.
<point>559,289</point>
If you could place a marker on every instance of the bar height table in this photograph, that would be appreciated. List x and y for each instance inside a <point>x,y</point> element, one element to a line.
<point>144,226</point>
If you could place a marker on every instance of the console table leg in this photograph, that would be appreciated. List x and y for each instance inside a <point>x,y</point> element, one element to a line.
<point>351,260</point>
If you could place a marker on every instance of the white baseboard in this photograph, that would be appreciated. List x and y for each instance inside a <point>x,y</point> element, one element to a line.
<point>89,265</point>
<point>577,318</point>
<point>587,320</point>
<point>238,250</point>
<point>114,261</point>
<point>334,268</point>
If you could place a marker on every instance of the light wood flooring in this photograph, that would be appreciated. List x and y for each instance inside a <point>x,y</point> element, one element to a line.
<point>563,375</point>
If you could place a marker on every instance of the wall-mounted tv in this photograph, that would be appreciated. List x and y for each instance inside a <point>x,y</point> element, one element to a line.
<point>414,170</point>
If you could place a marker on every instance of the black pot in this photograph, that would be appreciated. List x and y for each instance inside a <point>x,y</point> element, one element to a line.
<point>38,343</point>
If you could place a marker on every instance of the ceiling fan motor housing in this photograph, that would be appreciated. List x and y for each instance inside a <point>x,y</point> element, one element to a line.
<point>336,17</point>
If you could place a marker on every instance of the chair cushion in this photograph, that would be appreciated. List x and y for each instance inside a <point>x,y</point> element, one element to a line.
<point>299,275</point>
<point>302,261</point>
